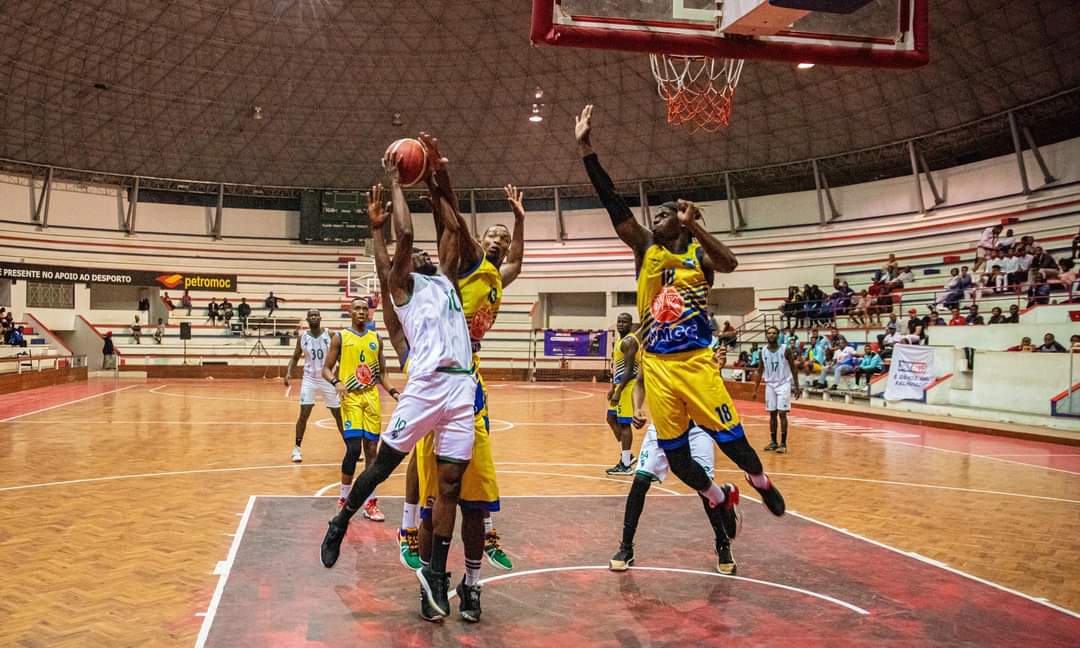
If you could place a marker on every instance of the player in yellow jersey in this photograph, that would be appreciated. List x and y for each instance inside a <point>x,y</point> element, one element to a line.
<point>675,265</point>
<point>620,412</point>
<point>358,356</point>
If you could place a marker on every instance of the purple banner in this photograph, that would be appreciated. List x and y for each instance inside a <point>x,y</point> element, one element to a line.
<point>575,343</point>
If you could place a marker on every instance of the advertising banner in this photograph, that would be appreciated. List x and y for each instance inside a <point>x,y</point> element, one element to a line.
<point>910,373</point>
<point>575,343</point>
<point>73,274</point>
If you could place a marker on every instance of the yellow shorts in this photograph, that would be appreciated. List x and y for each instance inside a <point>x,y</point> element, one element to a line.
<point>680,387</point>
<point>361,414</point>
<point>624,409</point>
<point>479,488</point>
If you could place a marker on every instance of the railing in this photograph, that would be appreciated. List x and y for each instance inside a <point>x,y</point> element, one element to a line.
<point>29,363</point>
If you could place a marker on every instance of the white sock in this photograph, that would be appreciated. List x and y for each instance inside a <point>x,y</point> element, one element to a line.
<point>409,515</point>
<point>626,457</point>
<point>345,490</point>
<point>472,572</point>
<point>714,494</point>
<point>489,524</point>
<point>761,481</point>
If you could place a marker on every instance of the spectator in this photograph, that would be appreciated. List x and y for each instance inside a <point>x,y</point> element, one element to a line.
<point>1066,277</point>
<point>185,301</point>
<point>1043,266</point>
<point>15,336</point>
<point>957,318</point>
<point>144,304</point>
<point>1076,245</point>
<point>905,276</point>
<point>1025,257</point>
<point>996,281</point>
<point>136,331</point>
<point>869,365</point>
<point>159,332</point>
<point>226,311</point>
<point>1010,267</point>
<point>914,322</point>
<point>973,318</point>
<point>953,292</point>
<point>987,242</point>
<point>1025,346</point>
<point>167,301</point>
<point>213,310</point>
<point>890,339</point>
<point>860,307</point>
<point>933,319</point>
<point>1014,315</point>
<point>843,363</point>
<point>244,311</point>
<point>885,301</point>
<point>743,361</point>
<point>888,270</point>
<point>728,336</point>
<point>995,315</point>
<point>755,355</point>
<point>967,281</point>
<point>1074,343</point>
<point>792,307</point>
<point>1050,345</point>
<point>108,353</point>
<point>272,302</point>
<point>1006,242</point>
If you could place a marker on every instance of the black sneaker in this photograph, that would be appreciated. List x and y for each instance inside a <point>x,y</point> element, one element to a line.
<point>730,517</point>
<point>622,559</point>
<point>434,587</point>
<point>725,560</point>
<point>769,448</point>
<point>771,497</point>
<point>470,601</point>
<point>331,543</point>
<point>427,613</point>
<point>782,449</point>
<point>621,468</point>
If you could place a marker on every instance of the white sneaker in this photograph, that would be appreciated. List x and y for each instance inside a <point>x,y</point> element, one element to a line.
<point>296,455</point>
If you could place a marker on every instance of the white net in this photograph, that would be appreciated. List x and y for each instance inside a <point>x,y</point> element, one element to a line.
<point>698,90</point>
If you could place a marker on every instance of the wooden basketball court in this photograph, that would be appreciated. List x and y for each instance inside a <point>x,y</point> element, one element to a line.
<point>121,502</point>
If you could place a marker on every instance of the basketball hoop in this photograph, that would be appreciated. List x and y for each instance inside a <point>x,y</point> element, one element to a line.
<point>697,89</point>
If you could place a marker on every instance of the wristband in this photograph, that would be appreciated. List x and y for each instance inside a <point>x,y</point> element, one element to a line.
<point>335,381</point>
<point>394,392</point>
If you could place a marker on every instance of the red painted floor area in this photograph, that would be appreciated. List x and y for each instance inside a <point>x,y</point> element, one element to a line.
<point>33,400</point>
<point>800,583</point>
<point>1035,453</point>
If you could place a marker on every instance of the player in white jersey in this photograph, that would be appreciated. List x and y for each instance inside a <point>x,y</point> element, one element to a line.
<point>778,371</point>
<point>312,344</point>
<point>438,395</point>
<point>653,466</point>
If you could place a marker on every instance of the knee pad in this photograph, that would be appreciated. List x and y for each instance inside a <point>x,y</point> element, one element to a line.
<point>352,454</point>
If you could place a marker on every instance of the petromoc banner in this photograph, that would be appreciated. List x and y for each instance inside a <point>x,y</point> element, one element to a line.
<point>167,280</point>
<point>910,372</point>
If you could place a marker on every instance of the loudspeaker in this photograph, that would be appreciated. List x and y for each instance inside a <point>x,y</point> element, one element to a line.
<point>185,330</point>
<point>310,216</point>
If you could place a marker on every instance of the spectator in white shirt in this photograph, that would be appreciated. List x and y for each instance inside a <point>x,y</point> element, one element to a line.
<point>1006,242</point>
<point>987,242</point>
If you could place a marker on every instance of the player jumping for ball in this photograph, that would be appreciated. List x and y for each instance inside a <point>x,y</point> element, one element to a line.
<point>675,266</point>
<point>438,398</point>
<point>779,372</point>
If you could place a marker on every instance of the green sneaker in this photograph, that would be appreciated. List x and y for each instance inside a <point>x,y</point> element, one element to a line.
<point>495,555</point>
<point>409,541</point>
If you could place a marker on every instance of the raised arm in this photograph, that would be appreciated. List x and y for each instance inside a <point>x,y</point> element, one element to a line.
<point>629,230</point>
<point>377,215</point>
<point>720,257</point>
<point>511,266</point>
<point>445,207</point>
<point>399,277</point>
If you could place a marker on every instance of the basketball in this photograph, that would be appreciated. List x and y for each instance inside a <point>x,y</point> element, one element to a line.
<point>410,158</point>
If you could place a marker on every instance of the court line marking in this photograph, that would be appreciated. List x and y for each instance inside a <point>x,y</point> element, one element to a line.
<point>1051,454</point>
<point>322,490</point>
<point>225,570</point>
<point>163,474</point>
<point>583,396</point>
<point>72,402</point>
<point>790,588</point>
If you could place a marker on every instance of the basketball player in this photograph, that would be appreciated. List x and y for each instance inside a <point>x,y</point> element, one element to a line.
<point>620,408</point>
<point>438,397</point>
<point>312,344</point>
<point>358,354</point>
<point>675,265</point>
<point>485,268</point>
<point>653,466</point>
<point>779,372</point>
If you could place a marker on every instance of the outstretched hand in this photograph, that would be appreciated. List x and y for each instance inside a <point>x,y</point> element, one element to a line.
<point>439,163</point>
<point>514,196</point>
<point>583,126</point>
<point>376,213</point>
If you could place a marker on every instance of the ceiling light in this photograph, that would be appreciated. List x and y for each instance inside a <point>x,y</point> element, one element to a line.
<point>396,121</point>
<point>539,92</point>
<point>536,117</point>
<point>805,66</point>
<point>256,112</point>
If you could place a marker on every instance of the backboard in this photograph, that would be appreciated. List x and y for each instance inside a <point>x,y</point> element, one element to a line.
<point>871,33</point>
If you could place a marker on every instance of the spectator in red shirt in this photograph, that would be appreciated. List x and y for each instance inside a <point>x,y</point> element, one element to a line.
<point>185,301</point>
<point>168,302</point>
<point>957,318</point>
<point>1025,345</point>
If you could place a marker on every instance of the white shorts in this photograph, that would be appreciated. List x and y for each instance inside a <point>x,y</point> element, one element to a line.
<point>652,462</point>
<point>314,386</point>
<point>441,403</point>
<point>778,397</point>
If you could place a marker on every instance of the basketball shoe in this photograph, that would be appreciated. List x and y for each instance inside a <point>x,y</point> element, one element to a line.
<point>409,548</point>
<point>495,555</point>
<point>622,559</point>
<point>470,601</point>
<point>372,512</point>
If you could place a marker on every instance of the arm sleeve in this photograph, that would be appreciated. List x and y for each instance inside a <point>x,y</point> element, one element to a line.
<point>616,207</point>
